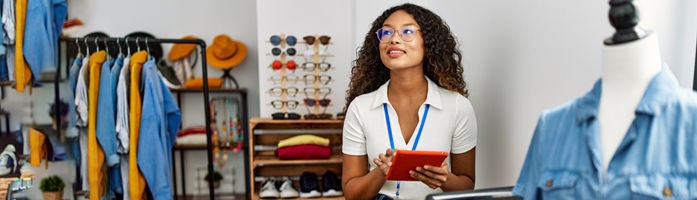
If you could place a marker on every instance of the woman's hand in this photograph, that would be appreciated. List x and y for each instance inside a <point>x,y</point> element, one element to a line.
<point>434,177</point>
<point>384,161</point>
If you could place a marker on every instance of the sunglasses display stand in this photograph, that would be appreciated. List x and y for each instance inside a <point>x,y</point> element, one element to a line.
<point>283,64</point>
<point>316,104</point>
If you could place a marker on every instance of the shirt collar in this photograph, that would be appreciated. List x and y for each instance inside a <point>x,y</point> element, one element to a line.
<point>663,84</point>
<point>433,97</point>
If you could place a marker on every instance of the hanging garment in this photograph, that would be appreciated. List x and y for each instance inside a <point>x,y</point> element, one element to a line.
<point>96,171</point>
<point>106,126</point>
<point>135,177</point>
<point>8,22</point>
<point>44,22</point>
<point>656,158</point>
<point>122,123</point>
<point>81,118</point>
<point>71,130</point>
<point>22,71</point>
<point>159,123</point>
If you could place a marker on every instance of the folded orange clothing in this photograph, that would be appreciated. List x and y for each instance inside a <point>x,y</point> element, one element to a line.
<point>198,83</point>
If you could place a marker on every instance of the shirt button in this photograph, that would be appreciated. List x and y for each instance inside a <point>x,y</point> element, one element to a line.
<point>549,183</point>
<point>667,192</point>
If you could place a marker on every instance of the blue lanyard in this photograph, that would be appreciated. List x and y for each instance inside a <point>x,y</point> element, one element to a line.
<point>418,134</point>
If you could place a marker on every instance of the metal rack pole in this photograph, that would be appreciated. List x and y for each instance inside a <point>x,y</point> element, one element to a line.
<point>206,98</point>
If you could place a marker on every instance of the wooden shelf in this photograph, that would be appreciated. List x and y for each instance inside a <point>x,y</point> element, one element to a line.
<point>210,90</point>
<point>256,196</point>
<point>272,160</point>
<point>265,133</point>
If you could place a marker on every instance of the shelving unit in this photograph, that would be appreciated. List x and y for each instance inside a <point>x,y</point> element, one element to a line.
<point>242,93</point>
<point>264,135</point>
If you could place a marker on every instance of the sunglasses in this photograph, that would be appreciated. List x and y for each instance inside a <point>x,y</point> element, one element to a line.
<point>318,116</point>
<point>310,92</point>
<point>323,79</point>
<point>285,115</point>
<point>277,65</point>
<point>279,91</point>
<point>290,104</point>
<point>290,40</point>
<point>407,33</point>
<point>278,51</point>
<point>311,66</point>
<point>278,79</point>
<point>310,40</point>
<point>312,102</point>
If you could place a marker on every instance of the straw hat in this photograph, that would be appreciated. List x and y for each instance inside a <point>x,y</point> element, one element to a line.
<point>225,53</point>
<point>181,50</point>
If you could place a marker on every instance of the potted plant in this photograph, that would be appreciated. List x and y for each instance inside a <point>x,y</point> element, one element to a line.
<point>216,177</point>
<point>52,187</point>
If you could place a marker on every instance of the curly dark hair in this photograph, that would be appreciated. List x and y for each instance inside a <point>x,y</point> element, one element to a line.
<point>442,58</point>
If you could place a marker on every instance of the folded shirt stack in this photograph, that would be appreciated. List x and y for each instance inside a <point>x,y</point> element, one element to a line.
<point>304,147</point>
<point>194,135</point>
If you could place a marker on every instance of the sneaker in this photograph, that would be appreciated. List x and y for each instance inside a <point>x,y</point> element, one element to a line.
<point>287,190</point>
<point>331,185</point>
<point>268,189</point>
<point>309,186</point>
<point>8,161</point>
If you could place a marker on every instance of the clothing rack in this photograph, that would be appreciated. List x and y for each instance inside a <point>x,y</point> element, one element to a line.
<point>206,108</point>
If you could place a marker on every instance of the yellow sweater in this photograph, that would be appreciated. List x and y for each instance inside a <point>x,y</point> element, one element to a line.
<point>22,70</point>
<point>96,170</point>
<point>136,179</point>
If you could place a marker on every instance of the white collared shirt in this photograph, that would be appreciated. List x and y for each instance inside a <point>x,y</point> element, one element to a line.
<point>450,126</point>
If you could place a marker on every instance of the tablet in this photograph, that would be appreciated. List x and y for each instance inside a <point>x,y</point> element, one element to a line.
<point>405,160</point>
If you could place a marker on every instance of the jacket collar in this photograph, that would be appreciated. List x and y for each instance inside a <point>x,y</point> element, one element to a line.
<point>662,84</point>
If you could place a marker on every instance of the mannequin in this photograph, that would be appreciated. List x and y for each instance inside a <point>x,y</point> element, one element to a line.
<point>631,58</point>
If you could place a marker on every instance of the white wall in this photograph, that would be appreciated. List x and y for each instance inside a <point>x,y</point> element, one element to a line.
<point>522,57</point>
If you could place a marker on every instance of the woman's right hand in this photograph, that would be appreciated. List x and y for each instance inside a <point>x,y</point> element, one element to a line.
<point>384,161</point>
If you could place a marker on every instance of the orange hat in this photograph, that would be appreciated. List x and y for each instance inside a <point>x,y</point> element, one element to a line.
<point>225,53</point>
<point>181,50</point>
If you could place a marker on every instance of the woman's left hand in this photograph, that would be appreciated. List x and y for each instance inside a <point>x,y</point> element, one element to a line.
<point>434,177</point>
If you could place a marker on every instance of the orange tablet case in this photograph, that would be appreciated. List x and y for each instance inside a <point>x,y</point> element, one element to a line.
<point>405,160</point>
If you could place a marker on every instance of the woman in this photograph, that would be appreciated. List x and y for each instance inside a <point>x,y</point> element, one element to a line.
<point>407,73</point>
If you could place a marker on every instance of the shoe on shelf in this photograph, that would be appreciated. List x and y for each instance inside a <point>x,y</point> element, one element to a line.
<point>309,185</point>
<point>268,189</point>
<point>287,190</point>
<point>331,185</point>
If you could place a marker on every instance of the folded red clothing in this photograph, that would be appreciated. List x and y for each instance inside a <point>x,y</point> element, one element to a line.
<point>304,152</point>
<point>192,130</point>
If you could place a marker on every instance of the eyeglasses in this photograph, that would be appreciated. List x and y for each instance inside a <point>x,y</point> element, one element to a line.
<point>310,92</point>
<point>290,104</point>
<point>311,66</point>
<point>323,79</point>
<point>291,65</point>
<point>310,40</point>
<point>279,91</point>
<point>277,79</point>
<point>290,40</point>
<point>277,51</point>
<point>313,102</point>
<point>407,33</point>
<point>285,115</point>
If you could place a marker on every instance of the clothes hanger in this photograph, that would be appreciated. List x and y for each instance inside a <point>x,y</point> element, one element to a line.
<point>79,50</point>
<point>87,53</point>
<point>96,44</point>
<point>106,47</point>
<point>118,43</point>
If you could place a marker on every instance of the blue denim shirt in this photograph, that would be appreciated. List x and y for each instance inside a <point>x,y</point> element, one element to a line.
<point>44,23</point>
<point>657,158</point>
<point>106,124</point>
<point>160,121</point>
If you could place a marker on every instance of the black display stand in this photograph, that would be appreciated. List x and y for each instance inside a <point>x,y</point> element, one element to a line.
<point>205,90</point>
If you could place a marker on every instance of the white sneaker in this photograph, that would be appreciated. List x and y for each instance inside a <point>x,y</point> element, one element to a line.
<point>8,162</point>
<point>287,190</point>
<point>268,190</point>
